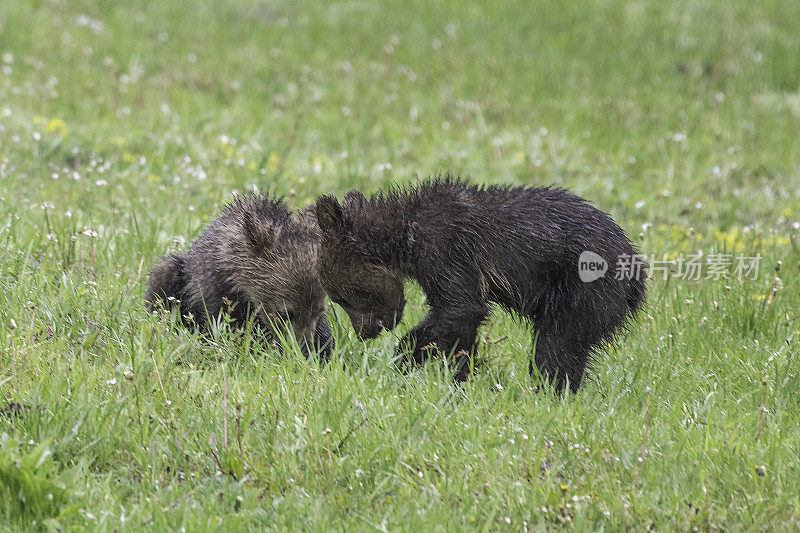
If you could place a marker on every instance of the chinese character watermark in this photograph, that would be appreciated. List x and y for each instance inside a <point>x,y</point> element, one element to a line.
<point>697,266</point>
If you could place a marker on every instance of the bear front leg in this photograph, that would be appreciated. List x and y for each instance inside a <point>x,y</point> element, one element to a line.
<point>417,344</point>
<point>447,331</point>
<point>323,340</point>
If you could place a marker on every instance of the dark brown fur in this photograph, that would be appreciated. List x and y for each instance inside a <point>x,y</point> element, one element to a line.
<point>260,259</point>
<point>471,246</point>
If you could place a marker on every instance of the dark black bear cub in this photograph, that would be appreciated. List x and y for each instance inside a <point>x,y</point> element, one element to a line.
<point>469,246</point>
<point>254,258</point>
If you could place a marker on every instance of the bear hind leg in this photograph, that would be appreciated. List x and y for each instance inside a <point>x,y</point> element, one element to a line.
<point>573,321</point>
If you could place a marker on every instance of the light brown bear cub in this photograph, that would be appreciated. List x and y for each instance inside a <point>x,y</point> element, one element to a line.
<point>255,261</point>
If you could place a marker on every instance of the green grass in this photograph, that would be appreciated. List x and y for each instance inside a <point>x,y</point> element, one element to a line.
<point>137,120</point>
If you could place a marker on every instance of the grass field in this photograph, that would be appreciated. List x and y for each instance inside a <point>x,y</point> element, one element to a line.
<point>124,126</point>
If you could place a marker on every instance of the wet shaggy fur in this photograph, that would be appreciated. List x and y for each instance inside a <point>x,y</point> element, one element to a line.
<point>468,247</point>
<point>254,259</point>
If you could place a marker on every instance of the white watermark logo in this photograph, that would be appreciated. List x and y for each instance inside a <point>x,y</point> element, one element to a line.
<point>591,266</point>
<point>695,267</point>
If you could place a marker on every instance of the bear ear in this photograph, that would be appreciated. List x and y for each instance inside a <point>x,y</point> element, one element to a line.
<point>258,234</point>
<point>329,215</point>
<point>354,199</point>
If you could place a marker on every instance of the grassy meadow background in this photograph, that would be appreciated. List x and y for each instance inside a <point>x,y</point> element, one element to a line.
<point>124,126</point>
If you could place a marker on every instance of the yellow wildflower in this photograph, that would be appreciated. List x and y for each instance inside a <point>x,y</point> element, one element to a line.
<point>272,162</point>
<point>56,125</point>
<point>729,239</point>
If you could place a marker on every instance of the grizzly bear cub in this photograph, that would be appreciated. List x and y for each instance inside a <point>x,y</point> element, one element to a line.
<point>468,246</point>
<point>254,261</point>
